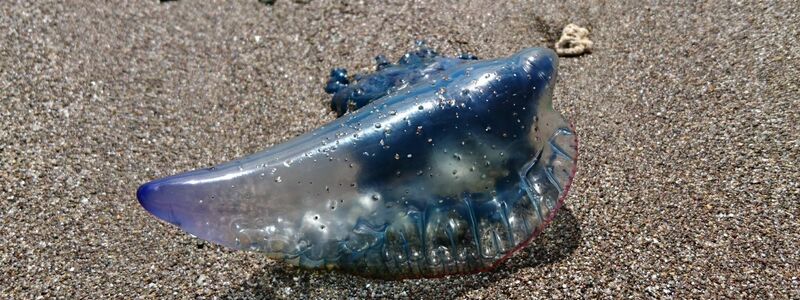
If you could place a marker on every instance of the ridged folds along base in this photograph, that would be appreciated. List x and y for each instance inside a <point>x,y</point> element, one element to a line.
<point>473,233</point>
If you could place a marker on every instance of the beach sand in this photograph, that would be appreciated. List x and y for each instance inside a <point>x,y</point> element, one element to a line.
<point>688,183</point>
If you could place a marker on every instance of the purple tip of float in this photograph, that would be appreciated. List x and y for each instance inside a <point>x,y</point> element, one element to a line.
<point>155,202</point>
<point>179,200</point>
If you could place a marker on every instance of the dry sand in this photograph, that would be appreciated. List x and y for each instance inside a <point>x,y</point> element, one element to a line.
<point>688,118</point>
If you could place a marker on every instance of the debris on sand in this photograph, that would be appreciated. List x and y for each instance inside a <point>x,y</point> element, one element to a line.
<point>574,41</point>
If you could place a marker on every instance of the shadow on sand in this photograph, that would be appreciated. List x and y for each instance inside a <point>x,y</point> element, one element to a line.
<point>557,242</point>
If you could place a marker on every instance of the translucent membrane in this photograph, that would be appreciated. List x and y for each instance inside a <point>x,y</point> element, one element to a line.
<point>437,166</point>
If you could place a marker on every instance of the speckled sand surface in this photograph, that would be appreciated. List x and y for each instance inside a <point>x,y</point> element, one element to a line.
<point>688,117</point>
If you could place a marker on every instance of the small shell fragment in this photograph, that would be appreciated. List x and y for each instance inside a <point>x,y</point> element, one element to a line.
<point>574,41</point>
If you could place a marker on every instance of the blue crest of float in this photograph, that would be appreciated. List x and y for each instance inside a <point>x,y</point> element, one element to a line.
<point>436,166</point>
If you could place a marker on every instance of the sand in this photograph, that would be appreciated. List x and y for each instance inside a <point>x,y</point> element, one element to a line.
<point>688,115</point>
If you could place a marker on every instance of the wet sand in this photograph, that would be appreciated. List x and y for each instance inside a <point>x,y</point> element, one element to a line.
<point>688,184</point>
